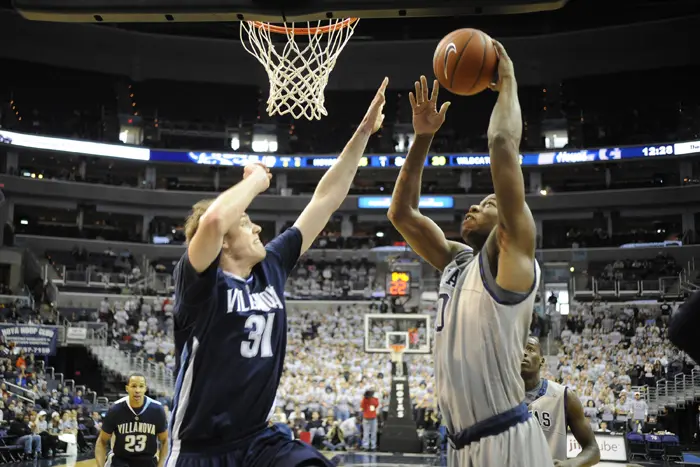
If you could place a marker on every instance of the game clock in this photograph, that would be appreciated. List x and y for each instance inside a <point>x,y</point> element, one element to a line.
<point>398,284</point>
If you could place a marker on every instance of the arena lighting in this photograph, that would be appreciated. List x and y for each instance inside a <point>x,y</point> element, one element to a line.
<point>74,146</point>
<point>324,161</point>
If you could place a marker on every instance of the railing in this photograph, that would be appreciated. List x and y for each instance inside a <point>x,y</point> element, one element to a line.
<point>19,391</point>
<point>667,287</point>
<point>676,392</point>
<point>159,282</point>
<point>154,372</point>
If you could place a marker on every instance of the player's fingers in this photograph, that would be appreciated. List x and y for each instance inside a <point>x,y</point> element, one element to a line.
<point>436,90</point>
<point>500,50</point>
<point>412,100</point>
<point>443,109</point>
<point>424,87</point>
<point>382,88</point>
<point>419,94</point>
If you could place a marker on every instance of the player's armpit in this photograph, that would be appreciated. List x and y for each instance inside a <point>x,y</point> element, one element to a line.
<point>193,287</point>
<point>581,429</point>
<point>286,248</point>
<point>425,237</point>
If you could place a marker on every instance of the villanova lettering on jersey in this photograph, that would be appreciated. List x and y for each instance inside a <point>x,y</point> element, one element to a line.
<point>136,427</point>
<point>241,301</point>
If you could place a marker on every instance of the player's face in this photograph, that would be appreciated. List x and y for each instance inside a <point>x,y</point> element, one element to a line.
<point>532,361</point>
<point>136,388</point>
<point>243,242</point>
<point>479,222</point>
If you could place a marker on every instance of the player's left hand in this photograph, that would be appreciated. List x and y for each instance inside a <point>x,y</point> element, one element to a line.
<point>427,120</point>
<point>375,116</point>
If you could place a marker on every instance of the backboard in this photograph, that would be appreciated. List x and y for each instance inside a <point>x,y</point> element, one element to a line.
<point>274,11</point>
<point>384,330</point>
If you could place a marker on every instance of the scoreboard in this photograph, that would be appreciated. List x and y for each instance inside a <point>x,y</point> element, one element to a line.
<point>398,284</point>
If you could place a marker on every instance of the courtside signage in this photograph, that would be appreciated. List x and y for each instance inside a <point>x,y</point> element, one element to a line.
<point>612,447</point>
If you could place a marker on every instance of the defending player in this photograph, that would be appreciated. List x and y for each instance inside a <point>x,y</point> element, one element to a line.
<point>487,290</point>
<point>138,424</point>
<point>231,323</point>
<point>555,407</point>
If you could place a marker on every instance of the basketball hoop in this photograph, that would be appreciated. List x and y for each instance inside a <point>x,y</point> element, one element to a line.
<point>299,73</point>
<point>397,351</point>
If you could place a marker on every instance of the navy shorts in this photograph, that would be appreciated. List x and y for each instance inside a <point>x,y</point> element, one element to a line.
<point>270,447</point>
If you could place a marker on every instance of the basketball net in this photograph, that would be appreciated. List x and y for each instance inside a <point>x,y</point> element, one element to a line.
<point>396,352</point>
<point>298,72</point>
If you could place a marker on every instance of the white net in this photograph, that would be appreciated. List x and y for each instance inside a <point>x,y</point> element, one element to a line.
<point>298,73</point>
<point>396,354</point>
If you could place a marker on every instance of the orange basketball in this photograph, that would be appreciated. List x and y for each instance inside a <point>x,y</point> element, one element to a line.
<point>465,61</point>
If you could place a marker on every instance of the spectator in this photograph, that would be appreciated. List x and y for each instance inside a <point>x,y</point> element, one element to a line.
<point>334,438</point>
<point>369,405</point>
<point>639,412</point>
<point>351,430</point>
<point>48,441</point>
<point>28,436</point>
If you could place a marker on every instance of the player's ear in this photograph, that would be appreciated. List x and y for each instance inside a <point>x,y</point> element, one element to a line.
<point>542,361</point>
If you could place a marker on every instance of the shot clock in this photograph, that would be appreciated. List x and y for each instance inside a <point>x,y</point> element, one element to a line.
<point>398,284</point>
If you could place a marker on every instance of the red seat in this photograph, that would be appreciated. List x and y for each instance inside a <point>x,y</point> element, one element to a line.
<point>305,436</point>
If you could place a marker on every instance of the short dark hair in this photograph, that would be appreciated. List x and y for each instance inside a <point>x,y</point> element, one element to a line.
<point>135,374</point>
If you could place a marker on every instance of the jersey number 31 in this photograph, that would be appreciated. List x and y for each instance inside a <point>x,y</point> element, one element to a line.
<point>259,336</point>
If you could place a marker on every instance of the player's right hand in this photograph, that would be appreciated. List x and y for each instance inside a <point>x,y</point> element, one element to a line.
<point>505,66</point>
<point>426,118</point>
<point>260,173</point>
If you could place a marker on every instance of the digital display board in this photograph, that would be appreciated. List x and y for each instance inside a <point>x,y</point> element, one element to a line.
<point>279,161</point>
<point>398,284</point>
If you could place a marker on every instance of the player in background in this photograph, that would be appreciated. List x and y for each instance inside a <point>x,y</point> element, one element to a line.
<point>231,321</point>
<point>557,407</point>
<point>487,290</point>
<point>138,424</point>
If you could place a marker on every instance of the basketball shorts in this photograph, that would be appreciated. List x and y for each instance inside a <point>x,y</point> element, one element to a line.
<point>114,461</point>
<point>270,447</point>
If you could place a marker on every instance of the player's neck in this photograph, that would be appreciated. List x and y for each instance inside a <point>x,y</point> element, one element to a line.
<point>237,268</point>
<point>531,381</point>
<point>137,404</point>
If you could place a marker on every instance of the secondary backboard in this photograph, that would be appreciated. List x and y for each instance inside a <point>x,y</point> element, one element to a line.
<point>275,11</point>
<point>384,330</point>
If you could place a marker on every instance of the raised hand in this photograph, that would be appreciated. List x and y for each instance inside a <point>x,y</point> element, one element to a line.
<point>374,117</point>
<point>426,118</point>
<point>505,66</point>
<point>260,172</point>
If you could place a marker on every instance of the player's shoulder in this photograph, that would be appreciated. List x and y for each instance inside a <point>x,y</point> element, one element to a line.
<point>555,389</point>
<point>118,405</point>
<point>461,258</point>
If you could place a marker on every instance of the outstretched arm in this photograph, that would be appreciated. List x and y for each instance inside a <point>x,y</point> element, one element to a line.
<point>422,234</point>
<point>335,184</point>
<point>581,429</point>
<point>516,227</point>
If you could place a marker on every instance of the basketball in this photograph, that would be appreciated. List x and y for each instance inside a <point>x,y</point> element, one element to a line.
<point>465,61</point>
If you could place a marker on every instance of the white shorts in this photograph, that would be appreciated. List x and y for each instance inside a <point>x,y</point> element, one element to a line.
<point>523,445</point>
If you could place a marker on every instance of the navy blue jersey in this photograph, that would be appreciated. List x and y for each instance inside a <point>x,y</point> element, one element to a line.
<point>231,335</point>
<point>135,430</point>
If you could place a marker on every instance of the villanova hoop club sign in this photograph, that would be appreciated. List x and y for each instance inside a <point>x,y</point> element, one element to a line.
<point>39,340</point>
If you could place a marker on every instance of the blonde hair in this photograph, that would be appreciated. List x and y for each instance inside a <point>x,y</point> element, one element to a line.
<point>192,222</point>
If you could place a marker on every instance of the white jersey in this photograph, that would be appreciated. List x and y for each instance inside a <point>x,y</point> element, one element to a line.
<point>481,331</point>
<point>549,409</point>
